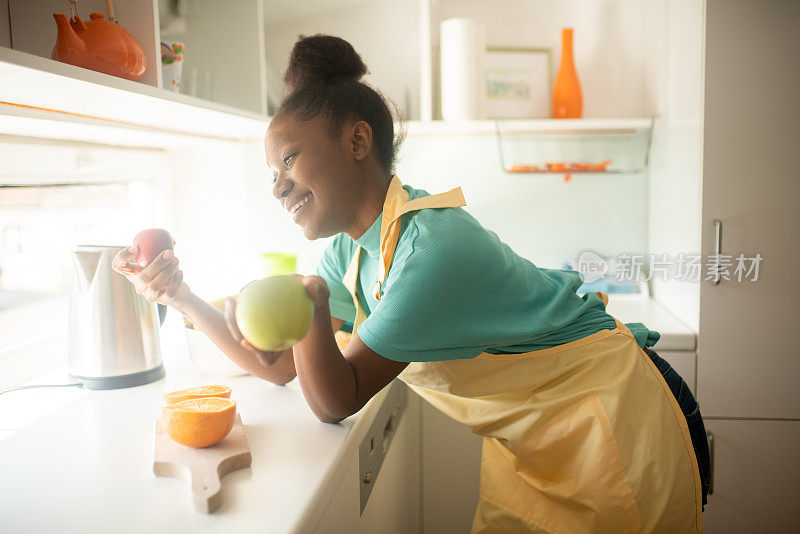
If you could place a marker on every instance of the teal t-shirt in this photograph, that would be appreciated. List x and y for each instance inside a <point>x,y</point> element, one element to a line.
<point>455,290</point>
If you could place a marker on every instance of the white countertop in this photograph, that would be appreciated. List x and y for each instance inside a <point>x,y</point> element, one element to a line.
<point>87,465</point>
<point>85,462</point>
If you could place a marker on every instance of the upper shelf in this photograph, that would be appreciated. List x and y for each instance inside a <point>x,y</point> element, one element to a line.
<point>557,146</point>
<point>530,126</point>
<point>41,88</point>
<point>599,146</point>
<point>114,110</point>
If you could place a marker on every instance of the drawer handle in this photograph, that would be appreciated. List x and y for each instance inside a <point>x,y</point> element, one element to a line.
<point>717,251</point>
<point>710,436</point>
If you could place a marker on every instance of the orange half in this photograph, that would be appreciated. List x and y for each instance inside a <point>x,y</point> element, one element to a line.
<point>198,392</point>
<point>199,422</point>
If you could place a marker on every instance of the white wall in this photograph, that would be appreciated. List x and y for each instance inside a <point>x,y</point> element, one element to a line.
<point>385,34</point>
<point>610,43</point>
<point>209,222</point>
<point>225,217</point>
<point>541,217</point>
<point>675,167</point>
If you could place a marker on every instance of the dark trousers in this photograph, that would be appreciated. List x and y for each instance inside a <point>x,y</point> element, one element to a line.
<point>691,411</point>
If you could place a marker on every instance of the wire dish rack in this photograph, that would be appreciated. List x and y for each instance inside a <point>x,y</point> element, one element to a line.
<point>574,146</point>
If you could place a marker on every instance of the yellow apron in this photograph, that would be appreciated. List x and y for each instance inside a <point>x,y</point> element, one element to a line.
<point>581,437</point>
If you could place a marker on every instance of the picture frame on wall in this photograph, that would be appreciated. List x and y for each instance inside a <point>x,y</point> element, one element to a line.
<point>518,83</point>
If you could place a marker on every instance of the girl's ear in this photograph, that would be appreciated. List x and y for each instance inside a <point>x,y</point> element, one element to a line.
<point>361,140</point>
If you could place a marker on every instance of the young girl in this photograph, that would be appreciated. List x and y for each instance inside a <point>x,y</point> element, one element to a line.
<point>582,431</point>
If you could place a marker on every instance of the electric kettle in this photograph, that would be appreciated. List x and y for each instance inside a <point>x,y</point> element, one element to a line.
<point>113,331</point>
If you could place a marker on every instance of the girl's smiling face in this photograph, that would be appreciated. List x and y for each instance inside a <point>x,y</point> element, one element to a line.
<point>314,174</point>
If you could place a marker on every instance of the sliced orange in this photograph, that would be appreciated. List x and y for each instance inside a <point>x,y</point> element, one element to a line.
<point>198,392</point>
<point>199,422</point>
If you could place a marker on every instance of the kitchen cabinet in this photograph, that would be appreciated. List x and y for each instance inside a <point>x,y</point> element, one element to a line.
<point>711,163</point>
<point>451,469</point>
<point>748,364</point>
<point>342,512</point>
<point>393,506</point>
<point>33,29</point>
<point>382,497</point>
<point>722,184</point>
<point>224,58</point>
<point>42,98</point>
<point>756,468</point>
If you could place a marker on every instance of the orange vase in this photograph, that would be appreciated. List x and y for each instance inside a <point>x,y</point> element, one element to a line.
<point>567,98</point>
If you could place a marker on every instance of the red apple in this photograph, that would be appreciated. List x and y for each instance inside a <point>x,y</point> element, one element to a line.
<point>151,243</point>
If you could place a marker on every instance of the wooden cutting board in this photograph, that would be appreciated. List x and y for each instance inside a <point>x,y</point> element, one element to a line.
<point>202,467</point>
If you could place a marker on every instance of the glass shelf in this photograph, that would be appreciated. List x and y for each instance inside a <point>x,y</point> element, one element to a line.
<point>574,146</point>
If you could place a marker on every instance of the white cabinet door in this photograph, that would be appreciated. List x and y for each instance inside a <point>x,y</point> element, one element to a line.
<point>394,503</point>
<point>341,513</point>
<point>748,360</point>
<point>451,469</point>
<point>756,477</point>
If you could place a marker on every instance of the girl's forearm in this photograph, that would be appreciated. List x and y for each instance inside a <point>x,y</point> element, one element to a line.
<point>326,377</point>
<point>211,321</point>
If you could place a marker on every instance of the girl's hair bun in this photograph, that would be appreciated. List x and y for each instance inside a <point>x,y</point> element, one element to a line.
<point>322,59</point>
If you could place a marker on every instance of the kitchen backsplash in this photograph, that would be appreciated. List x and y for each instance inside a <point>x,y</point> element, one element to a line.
<point>217,202</point>
<point>542,217</point>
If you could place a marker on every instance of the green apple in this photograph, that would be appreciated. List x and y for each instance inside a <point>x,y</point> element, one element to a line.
<point>274,313</point>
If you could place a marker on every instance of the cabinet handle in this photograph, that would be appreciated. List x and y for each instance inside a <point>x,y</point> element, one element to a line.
<point>717,250</point>
<point>710,437</point>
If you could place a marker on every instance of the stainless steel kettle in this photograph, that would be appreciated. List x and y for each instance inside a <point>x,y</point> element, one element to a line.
<point>113,331</point>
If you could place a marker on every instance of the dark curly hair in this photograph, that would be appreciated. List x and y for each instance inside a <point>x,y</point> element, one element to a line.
<point>323,78</point>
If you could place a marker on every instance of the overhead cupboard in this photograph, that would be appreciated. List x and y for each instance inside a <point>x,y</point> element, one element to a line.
<point>233,57</point>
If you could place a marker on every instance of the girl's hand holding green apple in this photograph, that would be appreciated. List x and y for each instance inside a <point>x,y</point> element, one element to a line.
<point>272,314</point>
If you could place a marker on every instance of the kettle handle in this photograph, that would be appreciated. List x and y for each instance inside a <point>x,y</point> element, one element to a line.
<point>162,313</point>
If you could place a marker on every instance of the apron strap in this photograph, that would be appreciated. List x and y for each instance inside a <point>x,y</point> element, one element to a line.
<point>394,207</point>
<point>350,280</point>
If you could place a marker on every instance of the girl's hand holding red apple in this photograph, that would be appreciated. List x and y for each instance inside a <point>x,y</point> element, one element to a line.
<point>160,281</point>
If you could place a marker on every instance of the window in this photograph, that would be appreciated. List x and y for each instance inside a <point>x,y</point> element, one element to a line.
<point>103,197</point>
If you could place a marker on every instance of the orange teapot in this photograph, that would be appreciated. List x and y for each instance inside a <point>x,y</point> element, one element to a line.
<point>98,45</point>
